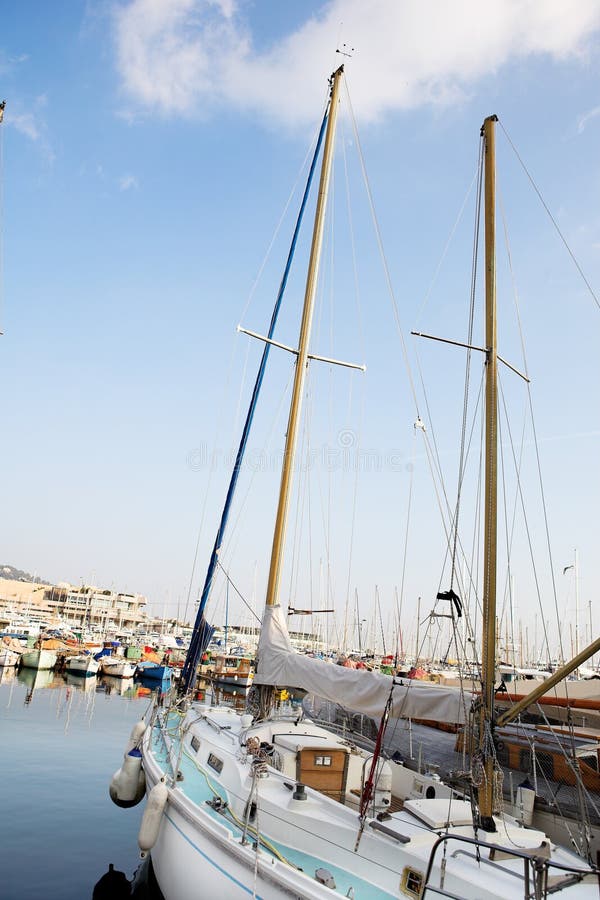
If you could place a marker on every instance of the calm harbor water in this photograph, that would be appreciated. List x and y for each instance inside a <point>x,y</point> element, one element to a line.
<point>61,738</point>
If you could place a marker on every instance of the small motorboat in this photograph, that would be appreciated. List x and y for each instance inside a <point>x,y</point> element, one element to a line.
<point>82,664</point>
<point>117,666</point>
<point>152,670</point>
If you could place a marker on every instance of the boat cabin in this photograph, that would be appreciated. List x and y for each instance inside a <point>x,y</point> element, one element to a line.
<point>231,669</point>
<point>315,757</point>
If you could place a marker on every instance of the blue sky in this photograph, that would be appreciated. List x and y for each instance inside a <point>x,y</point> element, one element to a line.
<point>148,151</point>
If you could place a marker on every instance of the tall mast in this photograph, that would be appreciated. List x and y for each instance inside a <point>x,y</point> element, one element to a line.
<point>486,799</point>
<point>303,349</point>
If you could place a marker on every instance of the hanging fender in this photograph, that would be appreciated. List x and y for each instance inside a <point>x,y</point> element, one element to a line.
<point>128,784</point>
<point>135,738</point>
<point>150,826</point>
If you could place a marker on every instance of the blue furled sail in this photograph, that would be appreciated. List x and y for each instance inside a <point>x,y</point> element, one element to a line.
<point>200,636</point>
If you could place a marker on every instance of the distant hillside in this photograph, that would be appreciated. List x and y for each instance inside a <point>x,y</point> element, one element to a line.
<point>20,575</point>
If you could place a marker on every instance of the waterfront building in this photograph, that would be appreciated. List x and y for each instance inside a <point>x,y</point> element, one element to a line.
<point>86,606</point>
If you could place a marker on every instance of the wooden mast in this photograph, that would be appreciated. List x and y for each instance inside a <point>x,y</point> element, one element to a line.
<point>486,791</point>
<point>303,349</point>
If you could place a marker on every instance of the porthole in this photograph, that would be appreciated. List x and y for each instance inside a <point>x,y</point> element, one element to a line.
<point>215,763</point>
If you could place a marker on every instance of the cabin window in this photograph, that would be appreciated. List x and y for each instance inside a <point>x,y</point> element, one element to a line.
<point>195,744</point>
<point>215,763</point>
<point>412,882</point>
<point>322,760</point>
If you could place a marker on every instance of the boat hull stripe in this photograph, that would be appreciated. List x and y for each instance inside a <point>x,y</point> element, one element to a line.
<point>211,861</point>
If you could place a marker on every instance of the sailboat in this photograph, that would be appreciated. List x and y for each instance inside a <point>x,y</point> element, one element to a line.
<point>265,803</point>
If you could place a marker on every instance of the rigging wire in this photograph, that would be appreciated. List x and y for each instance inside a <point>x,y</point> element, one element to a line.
<point>316,141</point>
<point>533,426</point>
<point>461,464</point>
<point>301,492</point>
<point>219,427</point>
<point>523,509</point>
<point>508,533</point>
<point>406,529</point>
<point>361,339</point>
<point>448,526</point>
<point>237,590</point>
<point>453,230</point>
<point>301,171</point>
<point>435,455</point>
<point>551,217</point>
<point>230,544</point>
<point>453,529</point>
<point>384,262</point>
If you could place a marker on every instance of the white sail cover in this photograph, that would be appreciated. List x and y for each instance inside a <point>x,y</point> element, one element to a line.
<point>355,689</point>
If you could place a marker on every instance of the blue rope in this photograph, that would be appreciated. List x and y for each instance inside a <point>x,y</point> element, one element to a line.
<point>198,643</point>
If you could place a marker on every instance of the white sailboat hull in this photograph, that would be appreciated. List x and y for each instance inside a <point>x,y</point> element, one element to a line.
<point>82,665</point>
<point>200,843</point>
<point>227,869</point>
<point>9,657</point>
<point>39,659</point>
<point>118,668</point>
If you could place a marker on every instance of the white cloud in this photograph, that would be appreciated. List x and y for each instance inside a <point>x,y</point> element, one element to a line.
<point>182,57</point>
<point>31,123</point>
<point>128,183</point>
<point>25,123</point>
<point>585,118</point>
<point>9,63</point>
<point>171,53</point>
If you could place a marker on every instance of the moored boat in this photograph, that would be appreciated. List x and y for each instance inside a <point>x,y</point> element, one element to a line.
<point>39,659</point>
<point>117,666</point>
<point>10,652</point>
<point>268,804</point>
<point>232,670</point>
<point>153,671</point>
<point>82,664</point>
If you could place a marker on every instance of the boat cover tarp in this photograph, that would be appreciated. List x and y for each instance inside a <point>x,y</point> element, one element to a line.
<point>360,691</point>
<point>10,643</point>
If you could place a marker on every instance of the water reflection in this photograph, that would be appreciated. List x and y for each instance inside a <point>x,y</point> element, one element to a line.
<point>115,885</point>
<point>124,687</point>
<point>38,679</point>
<point>60,748</point>
<point>35,679</point>
<point>80,683</point>
<point>7,674</point>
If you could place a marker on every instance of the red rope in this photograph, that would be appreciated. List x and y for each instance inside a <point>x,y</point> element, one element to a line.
<point>368,788</point>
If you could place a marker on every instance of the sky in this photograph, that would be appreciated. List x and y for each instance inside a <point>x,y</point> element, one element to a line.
<point>152,155</point>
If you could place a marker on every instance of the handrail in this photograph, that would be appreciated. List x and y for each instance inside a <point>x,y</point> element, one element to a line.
<point>540,865</point>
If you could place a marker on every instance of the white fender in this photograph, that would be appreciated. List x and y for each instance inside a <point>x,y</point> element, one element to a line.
<point>155,806</point>
<point>128,784</point>
<point>137,733</point>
